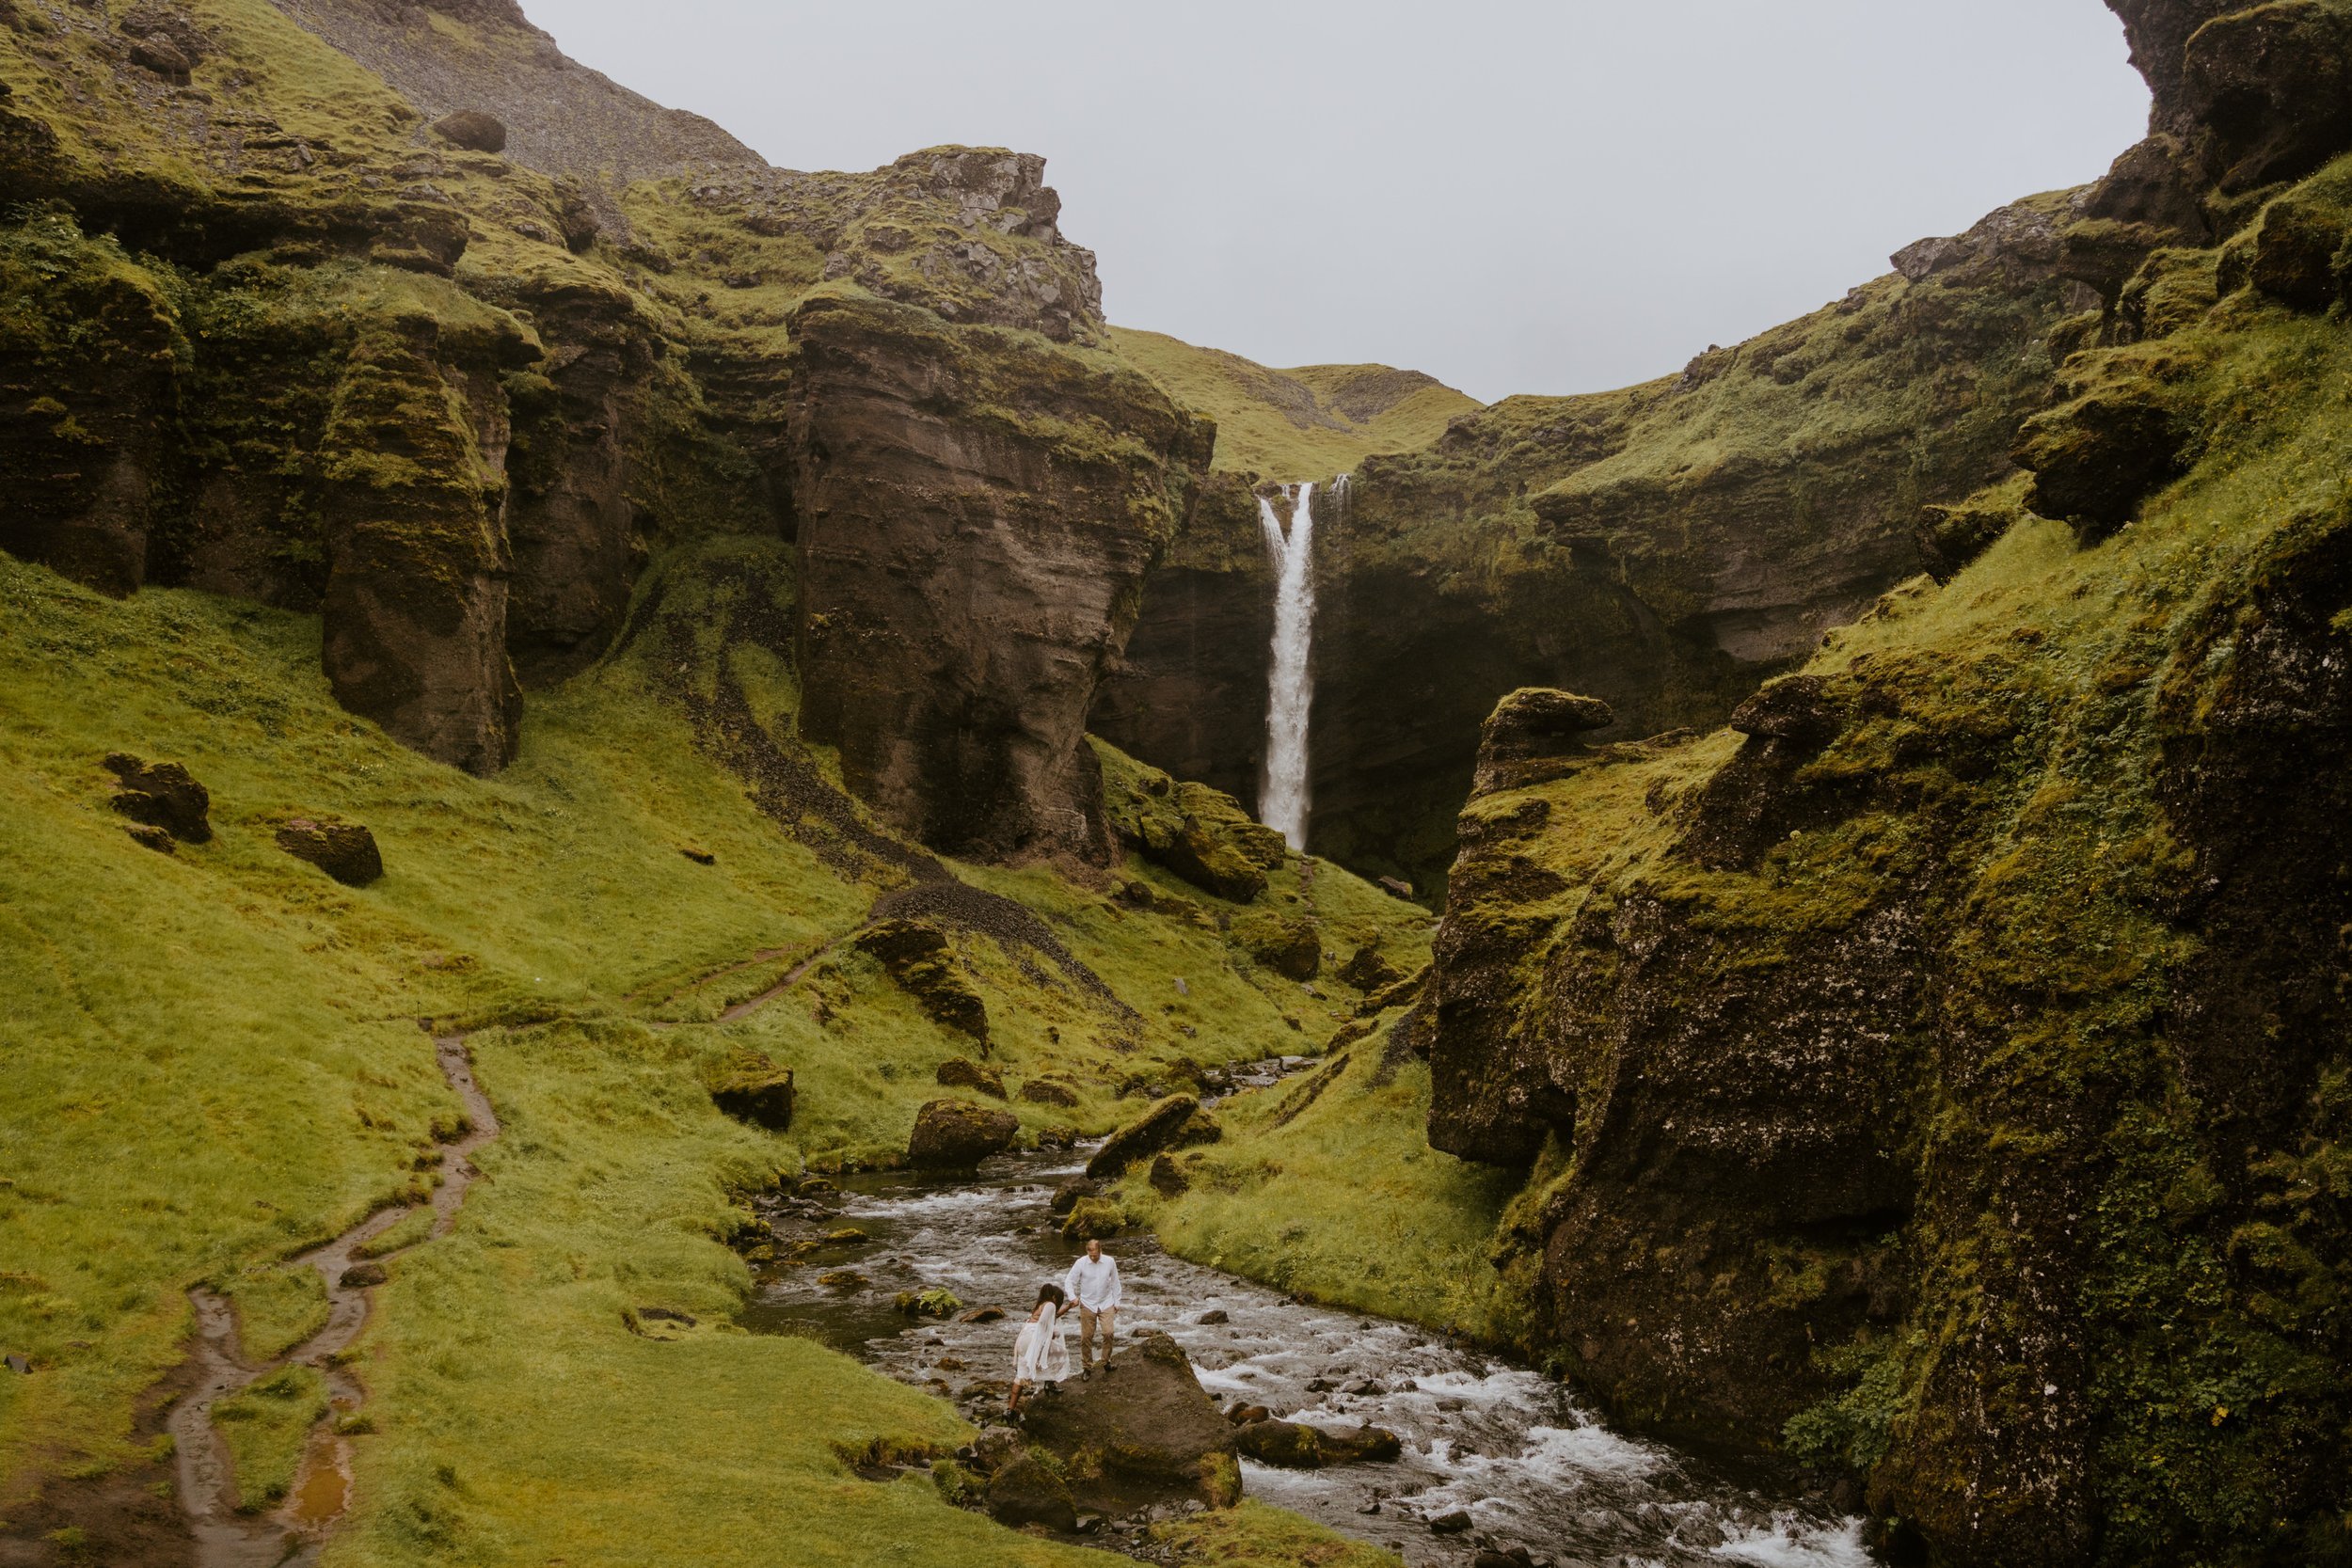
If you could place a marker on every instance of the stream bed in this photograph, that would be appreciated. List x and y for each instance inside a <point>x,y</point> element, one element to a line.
<point>1515,1450</point>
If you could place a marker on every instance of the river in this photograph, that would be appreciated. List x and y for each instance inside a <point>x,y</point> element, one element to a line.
<point>1529,1464</point>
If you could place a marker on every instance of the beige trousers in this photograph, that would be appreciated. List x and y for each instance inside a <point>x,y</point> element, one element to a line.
<point>1086,1333</point>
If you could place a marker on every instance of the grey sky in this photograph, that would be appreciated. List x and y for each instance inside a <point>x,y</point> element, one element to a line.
<point>1512,196</point>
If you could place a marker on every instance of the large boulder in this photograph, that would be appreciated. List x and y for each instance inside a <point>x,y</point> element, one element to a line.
<point>1289,944</point>
<point>345,850</point>
<point>1023,1491</point>
<point>956,1135</point>
<point>2096,459</point>
<point>473,130</point>
<point>162,795</point>
<point>1145,1433</point>
<point>1156,1129</point>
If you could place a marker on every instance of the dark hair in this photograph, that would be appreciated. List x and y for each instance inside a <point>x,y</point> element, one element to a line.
<point>1052,1294</point>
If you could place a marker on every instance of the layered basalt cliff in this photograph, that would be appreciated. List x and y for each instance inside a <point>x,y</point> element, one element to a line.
<point>976,515</point>
<point>1939,1075</point>
<point>395,314</point>
<point>1667,548</point>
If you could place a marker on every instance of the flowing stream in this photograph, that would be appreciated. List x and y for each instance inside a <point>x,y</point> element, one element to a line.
<point>1531,1467</point>
<point>1282,801</point>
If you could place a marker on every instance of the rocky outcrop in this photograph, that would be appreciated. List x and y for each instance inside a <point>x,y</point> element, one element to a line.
<point>956,1135</point>
<point>753,1088</point>
<point>1923,1076</point>
<point>1199,834</point>
<point>975,512</point>
<point>1149,1132</point>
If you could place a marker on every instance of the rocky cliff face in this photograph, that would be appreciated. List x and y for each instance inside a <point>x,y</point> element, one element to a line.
<point>1932,1075</point>
<point>400,316</point>
<point>968,576</point>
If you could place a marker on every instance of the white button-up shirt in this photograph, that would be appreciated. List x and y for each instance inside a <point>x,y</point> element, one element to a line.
<point>1094,1283</point>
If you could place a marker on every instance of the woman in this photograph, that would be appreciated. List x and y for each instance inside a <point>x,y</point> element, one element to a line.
<point>1040,1355</point>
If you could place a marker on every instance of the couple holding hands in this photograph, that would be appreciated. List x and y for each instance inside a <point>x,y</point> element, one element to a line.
<point>1041,1354</point>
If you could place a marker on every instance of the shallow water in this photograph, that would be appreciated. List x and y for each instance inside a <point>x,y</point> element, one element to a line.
<point>1514,1449</point>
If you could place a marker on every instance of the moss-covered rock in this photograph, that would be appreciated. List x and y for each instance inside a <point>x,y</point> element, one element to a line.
<point>1149,1132</point>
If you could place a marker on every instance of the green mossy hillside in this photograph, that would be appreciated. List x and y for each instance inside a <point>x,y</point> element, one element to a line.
<point>1295,425</point>
<point>217,1060</point>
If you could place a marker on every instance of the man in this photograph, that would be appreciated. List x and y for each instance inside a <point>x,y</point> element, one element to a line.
<point>1093,1284</point>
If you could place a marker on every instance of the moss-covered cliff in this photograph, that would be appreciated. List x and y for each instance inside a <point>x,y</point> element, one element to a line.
<point>399,315</point>
<point>1938,1076</point>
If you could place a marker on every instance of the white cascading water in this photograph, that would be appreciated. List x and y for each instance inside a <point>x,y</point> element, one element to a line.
<point>1282,801</point>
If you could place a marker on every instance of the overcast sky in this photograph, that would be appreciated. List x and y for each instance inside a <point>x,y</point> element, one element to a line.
<point>1515,196</point>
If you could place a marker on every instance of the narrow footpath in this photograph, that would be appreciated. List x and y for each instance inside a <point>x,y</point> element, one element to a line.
<point>297,1530</point>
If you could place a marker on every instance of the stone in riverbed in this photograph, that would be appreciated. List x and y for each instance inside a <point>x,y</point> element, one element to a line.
<point>1024,1492</point>
<point>345,850</point>
<point>1067,1194</point>
<point>1145,1435</point>
<point>956,1135</point>
<point>1292,1445</point>
<point>1092,1219</point>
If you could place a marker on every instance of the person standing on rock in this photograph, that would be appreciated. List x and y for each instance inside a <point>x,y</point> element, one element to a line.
<point>1093,1284</point>
<point>1041,1354</point>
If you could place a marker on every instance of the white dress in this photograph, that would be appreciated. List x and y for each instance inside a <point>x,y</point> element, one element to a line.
<point>1041,1354</point>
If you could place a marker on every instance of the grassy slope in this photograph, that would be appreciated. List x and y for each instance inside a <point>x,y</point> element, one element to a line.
<point>214,1060</point>
<point>1296,424</point>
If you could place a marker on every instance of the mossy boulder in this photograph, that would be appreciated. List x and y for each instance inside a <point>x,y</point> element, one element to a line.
<point>1195,832</point>
<point>1148,1435</point>
<point>1048,1091</point>
<point>1073,1190</point>
<point>956,1073</point>
<point>2095,460</point>
<point>1289,944</point>
<point>2296,253</point>
<point>956,1135</point>
<point>1147,1135</point>
<point>1028,1491</point>
<point>162,795</point>
<point>751,1088</point>
<point>1093,1219</point>
<point>1368,970</point>
<point>345,850</point>
<point>1951,537</point>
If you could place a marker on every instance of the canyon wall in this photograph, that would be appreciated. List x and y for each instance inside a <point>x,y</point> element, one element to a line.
<point>1939,1075</point>
<point>395,314</point>
<point>1667,546</point>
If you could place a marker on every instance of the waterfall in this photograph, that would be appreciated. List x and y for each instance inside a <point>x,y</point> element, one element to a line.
<point>1282,801</point>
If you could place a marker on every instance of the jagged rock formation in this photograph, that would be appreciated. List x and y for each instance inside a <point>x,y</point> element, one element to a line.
<point>1664,548</point>
<point>1932,1075</point>
<point>447,355</point>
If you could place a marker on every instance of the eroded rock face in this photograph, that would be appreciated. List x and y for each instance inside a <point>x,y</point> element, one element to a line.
<point>968,575</point>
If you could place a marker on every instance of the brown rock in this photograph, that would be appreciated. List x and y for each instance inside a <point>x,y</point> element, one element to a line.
<point>1290,1444</point>
<point>163,57</point>
<point>153,838</point>
<point>1024,1492</point>
<point>956,1073</point>
<point>2096,459</point>
<point>360,1276</point>
<point>162,795</point>
<point>1536,734</point>
<point>473,130</point>
<point>956,1135</point>
<point>1067,1194</point>
<point>1149,1134</point>
<point>1366,971</point>
<point>1291,945</point>
<point>345,850</point>
<point>1045,1091</point>
<point>1145,1435</point>
<point>1166,1178</point>
<point>1093,1219</point>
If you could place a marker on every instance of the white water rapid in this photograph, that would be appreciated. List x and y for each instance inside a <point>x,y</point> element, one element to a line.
<point>1282,800</point>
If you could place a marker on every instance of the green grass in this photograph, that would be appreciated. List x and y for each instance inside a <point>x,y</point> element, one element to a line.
<point>1345,1202</point>
<point>266,1428</point>
<point>1307,423</point>
<point>216,1061</point>
<point>1256,1536</point>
